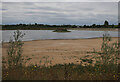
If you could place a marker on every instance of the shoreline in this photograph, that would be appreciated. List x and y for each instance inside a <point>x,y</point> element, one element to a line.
<point>87,29</point>
<point>65,39</point>
<point>96,29</point>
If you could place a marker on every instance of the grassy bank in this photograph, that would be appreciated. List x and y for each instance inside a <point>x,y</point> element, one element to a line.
<point>63,72</point>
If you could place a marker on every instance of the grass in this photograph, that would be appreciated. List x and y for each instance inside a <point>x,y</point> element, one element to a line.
<point>62,72</point>
<point>105,68</point>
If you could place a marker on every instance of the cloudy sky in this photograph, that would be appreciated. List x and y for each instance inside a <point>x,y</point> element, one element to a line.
<point>59,0</point>
<point>59,12</point>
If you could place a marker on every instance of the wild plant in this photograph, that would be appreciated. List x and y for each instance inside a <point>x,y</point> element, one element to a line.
<point>108,56</point>
<point>15,50</point>
<point>109,53</point>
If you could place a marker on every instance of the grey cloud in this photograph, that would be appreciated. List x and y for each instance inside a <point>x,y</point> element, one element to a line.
<point>60,13</point>
<point>60,0</point>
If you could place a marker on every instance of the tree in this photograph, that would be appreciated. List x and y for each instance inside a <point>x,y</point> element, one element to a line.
<point>118,24</point>
<point>94,25</point>
<point>35,23</point>
<point>84,26</point>
<point>106,23</point>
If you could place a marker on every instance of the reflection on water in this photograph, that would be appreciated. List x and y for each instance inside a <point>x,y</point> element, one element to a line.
<point>48,34</point>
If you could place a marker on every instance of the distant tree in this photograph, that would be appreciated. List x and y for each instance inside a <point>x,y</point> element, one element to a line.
<point>84,26</point>
<point>94,25</point>
<point>20,24</point>
<point>118,24</point>
<point>35,23</point>
<point>106,23</point>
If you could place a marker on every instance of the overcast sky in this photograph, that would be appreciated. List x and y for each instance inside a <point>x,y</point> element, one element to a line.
<point>59,0</point>
<point>59,13</point>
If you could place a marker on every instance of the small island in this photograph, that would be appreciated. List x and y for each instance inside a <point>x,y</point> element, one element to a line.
<point>61,30</point>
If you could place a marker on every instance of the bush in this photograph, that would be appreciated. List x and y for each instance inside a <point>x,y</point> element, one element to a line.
<point>15,50</point>
<point>109,51</point>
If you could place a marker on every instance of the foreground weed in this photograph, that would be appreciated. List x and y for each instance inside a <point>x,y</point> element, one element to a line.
<point>107,59</point>
<point>15,50</point>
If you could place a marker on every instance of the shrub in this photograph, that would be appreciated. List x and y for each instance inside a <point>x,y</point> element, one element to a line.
<point>15,50</point>
<point>109,51</point>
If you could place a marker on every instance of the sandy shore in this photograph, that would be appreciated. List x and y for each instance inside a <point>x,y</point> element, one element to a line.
<point>53,52</point>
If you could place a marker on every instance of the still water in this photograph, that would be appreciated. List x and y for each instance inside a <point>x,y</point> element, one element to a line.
<point>48,34</point>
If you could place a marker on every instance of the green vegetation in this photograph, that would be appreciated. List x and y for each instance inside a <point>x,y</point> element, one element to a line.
<point>53,27</point>
<point>109,53</point>
<point>62,72</point>
<point>15,50</point>
<point>105,66</point>
<point>61,30</point>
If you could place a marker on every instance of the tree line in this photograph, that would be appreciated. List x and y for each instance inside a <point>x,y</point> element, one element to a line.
<point>52,27</point>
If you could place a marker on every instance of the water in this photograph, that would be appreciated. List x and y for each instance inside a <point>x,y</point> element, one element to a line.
<point>48,34</point>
